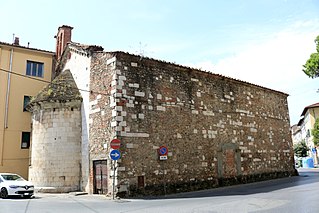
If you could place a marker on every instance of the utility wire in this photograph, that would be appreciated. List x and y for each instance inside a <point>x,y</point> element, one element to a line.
<point>44,81</point>
<point>18,74</point>
<point>41,80</point>
<point>32,78</point>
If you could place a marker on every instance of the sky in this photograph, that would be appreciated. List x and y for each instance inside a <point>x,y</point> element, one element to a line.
<point>264,42</point>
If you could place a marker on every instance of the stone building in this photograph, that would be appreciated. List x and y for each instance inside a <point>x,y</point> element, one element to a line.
<point>56,135</point>
<point>218,130</point>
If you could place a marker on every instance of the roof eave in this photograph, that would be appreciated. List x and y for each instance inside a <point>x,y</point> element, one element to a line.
<point>27,48</point>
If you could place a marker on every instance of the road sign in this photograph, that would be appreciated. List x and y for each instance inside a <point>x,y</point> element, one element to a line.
<point>163,157</point>
<point>162,150</point>
<point>115,143</point>
<point>115,154</point>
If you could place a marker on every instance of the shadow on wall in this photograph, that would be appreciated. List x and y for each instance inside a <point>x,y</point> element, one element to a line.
<point>210,188</point>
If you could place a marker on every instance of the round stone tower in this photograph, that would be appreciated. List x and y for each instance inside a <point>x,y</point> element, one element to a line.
<point>56,136</point>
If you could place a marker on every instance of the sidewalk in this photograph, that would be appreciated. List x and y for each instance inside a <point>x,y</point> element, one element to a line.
<point>301,169</point>
<point>72,195</point>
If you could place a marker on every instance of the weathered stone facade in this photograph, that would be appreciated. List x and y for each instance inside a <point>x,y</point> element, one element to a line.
<point>56,137</point>
<point>218,130</point>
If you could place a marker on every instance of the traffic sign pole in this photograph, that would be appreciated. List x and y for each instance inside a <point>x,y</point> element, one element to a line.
<point>164,179</point>
<point>115,155</point>
<point>113,179</point>
<point>163,151</point>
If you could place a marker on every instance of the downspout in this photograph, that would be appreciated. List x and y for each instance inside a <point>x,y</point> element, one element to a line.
<point>2,142</point>
<point>8,91</point>
<point>316,153</point>
<point>6,106</point>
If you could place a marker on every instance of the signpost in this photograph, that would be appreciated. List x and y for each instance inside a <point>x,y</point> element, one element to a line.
<point>115,155</point>
<point>163,157</point>
<point>162,152</point>
<point>115,143</point>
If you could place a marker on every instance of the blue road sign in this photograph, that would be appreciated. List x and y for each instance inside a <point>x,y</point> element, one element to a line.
<point>115,154</point>
<point>163,150</point>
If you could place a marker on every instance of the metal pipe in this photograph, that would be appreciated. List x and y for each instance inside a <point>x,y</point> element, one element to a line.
<point>3,135</point>
<point>113,180</point>
<point>8,91</point>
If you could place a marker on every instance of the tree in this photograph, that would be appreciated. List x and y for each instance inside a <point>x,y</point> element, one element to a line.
<point>301,149</point>
<point>315,133</point>
<point>311,68</point>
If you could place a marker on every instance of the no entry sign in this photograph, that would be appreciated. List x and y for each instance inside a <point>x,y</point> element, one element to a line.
<point>115,143</point>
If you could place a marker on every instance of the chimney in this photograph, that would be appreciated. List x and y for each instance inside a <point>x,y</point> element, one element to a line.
<point>16,41</point>
<point>62,38</point>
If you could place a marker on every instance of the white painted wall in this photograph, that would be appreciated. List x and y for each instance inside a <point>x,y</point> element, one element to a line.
<point>79,65</point>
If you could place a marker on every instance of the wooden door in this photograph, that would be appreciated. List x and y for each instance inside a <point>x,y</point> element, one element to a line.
<point>100,177</point>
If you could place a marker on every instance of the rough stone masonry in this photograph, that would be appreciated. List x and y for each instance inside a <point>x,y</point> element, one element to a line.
<point>218,130</point>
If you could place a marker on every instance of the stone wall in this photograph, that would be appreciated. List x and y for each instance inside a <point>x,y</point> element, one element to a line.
<point>79,65</point>
<point>56,147</point>
<point>218,130</point>
<point>101,111</point>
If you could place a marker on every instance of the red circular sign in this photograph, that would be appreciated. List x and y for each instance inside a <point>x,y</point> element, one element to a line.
<point>163,150</point>
<point>115,143</point>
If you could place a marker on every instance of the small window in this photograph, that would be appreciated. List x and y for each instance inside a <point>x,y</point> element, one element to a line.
<point>34,69</point>
<point>140,182</point>
<point>25,143</point>
<point>26,101</point>
<point>308,133</point>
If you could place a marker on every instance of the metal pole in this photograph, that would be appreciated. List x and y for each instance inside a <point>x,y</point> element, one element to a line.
<point>6,112</point>
<point>113,178</point>
<point>164,178</point>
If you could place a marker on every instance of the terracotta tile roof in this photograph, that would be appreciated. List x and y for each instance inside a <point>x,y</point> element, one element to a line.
<point>65,26</point>
<point>309,107</point>
<point>28,48</point>
<point>87,46</point>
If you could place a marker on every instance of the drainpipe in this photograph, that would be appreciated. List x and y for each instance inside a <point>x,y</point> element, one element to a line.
<point>316,153</point>
<point>6,107</point>
<point>2,142</point>
<point>8,91</point>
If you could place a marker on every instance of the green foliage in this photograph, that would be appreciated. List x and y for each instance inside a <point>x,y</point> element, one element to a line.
<point>311,68</point>
<point>301,149</point>
<point>315,132</point>
<point>50,91</point>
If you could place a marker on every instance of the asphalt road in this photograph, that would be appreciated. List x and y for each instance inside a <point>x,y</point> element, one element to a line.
<point>292,195</point>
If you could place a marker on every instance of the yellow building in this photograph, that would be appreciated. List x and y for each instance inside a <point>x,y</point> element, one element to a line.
<point>24,72</point>
<point>306,124</point>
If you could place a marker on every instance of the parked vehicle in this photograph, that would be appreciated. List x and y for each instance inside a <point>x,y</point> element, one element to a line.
<point>14,185</point>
